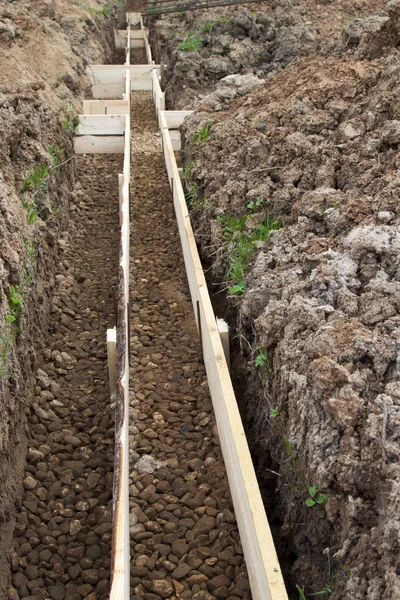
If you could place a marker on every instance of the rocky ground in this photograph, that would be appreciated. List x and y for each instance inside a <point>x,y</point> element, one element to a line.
<point>300,228</point>
<point>185,542</point>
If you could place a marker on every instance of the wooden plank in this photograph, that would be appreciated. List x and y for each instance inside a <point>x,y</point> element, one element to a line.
<point>105,107</point>
<point>98,144</point>
<point>108,90</point>
<point>262,563</point>
<point>141,83</point>
<point>263,568</point>
<point>112,359</point>
<point>134,18</point>
<point>136,38</point>
<point>120,563</point>
<point>175,118</point>
<point>116,73</point>
<point>175,136</point>
<point>223,330</point>
<point>101,125</point>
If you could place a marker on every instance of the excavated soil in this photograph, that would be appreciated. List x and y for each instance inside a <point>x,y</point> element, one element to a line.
<point>185,541</point>
<point>62,540</point>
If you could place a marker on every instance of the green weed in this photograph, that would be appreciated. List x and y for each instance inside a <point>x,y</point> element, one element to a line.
<point>187,169</point>
<point>207,27</point>
<point>71,121</point>
<point>262,360</point>
<point>289,449</point>
<point>16,298</point>
<point>223,20</point>
<point>238,289</point>
<point>274,412</point>
<point>203,134</point>
<point>190,45</point>
<point>302,595</point>
<point>315,497</point>
<point>191,194</point>
<point>242,242</point>
<point>254,204</point>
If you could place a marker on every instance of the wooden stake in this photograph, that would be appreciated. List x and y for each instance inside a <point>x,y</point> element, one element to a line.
<point>223,329</point>
<point>112,359</point>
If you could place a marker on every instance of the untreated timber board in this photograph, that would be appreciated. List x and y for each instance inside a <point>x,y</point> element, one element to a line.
<point>101,125</point>
<point>120,582</point>
<point>99,144</point>
<point>105,107</point>
<point>175,118</point>
<point>116,73</point>
<point>262,563</point>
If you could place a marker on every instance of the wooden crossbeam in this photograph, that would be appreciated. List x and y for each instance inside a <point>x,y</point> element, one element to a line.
<point>101,125</point>
<point>105,107</point>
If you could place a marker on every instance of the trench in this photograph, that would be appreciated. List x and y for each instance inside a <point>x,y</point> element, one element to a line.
<point>184,537</point>
<point>62,539</point>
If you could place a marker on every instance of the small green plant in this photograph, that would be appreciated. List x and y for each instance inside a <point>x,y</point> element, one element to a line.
<point>274,412</point>
<point>16,297</point>
<point>254,204</point>
<point>238,289</point>
<point>289,449</point>
<point>35,184</point>
<point>105,11</point>
<point>302,595</point>
<point>315,497</point>
<point>190,45</point>
<point>187,169</point>
<point>203,134</point>
<point>241,243</point>
<point>223,20</point>
<point>71,121</point>
<point>191,194</point>
<point>207,27</point>
<point>262,360</point>
<point>182,13</point>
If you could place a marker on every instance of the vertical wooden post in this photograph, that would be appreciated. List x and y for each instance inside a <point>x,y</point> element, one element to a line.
<point>112,358</point>
<point>120,184</point>
<point>223,329</point>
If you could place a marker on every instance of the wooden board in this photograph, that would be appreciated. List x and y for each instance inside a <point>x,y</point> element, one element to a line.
<point>116,73</point>
<point>101,125</point>
<point>262,563</point>
<point>105,107</point>
<point>120,558</point>
<point>175,136</point>
<point>141,83</point>
<point>175,118</point>
<point>108,90</point>
<point>136,38</point>
<point>98,144</point>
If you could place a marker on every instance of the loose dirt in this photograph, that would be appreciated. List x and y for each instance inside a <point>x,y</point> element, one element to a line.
<point>185,541</point>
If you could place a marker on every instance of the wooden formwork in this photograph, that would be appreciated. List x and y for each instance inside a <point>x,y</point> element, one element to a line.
<point>120,584</point>
<point>109,82</point>
<point>262,563</point>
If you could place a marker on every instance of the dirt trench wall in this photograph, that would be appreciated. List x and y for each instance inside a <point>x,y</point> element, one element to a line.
<point>316,148</point>
<point>44,49</point>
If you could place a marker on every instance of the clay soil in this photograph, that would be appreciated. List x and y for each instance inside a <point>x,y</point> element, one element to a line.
<point>185,542</point>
